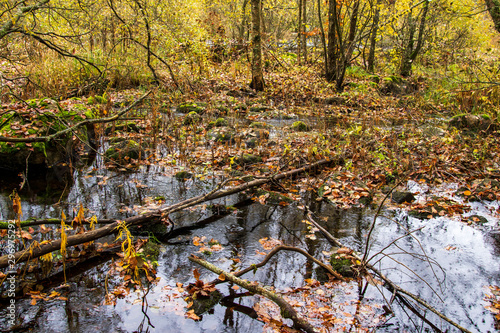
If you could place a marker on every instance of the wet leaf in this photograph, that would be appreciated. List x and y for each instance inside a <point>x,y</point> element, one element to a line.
<point>196,274</point>
<point>191,315</point>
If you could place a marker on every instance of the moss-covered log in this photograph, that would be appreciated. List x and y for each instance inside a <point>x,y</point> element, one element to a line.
<point>287,311</point>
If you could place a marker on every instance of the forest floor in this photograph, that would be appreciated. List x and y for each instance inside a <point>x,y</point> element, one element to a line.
<point>380,133</point>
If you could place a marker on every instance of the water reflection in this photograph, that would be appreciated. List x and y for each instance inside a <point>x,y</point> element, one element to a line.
<point>469,264</point>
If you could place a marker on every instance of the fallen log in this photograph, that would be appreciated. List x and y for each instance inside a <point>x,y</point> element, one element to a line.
<point>287,311</point>
<point>157,216</point>
<point>33,222</point>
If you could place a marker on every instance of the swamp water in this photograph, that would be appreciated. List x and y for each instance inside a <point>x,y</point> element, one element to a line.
<point>467,258</point>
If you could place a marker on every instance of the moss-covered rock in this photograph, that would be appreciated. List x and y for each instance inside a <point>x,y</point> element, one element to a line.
<point>183,175</point>
<point>221,134</point>
<point>259,109</point>
<point>394,85</point>
<point>188,107</point>
<point>219,122</point>
<point>299,126</point>
<point>202,304</point>
<point>259,124</point>
<point>255,136</point>
<point>191,118</point>
<point>341,265</point>
<point>37,123</point>
<point>123,151</point>
<point>247,159</point>
<point>91,100</point>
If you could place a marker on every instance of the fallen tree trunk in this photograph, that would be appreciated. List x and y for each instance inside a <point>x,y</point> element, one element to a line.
<point>287,311</point>
<point>158,215</point>
<point>33,222</point>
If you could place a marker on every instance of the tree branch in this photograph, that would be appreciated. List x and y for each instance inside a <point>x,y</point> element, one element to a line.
<point>48,138</point>
<point>287,311</point>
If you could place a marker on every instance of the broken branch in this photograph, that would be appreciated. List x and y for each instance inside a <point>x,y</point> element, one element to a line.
<point>287,311</point>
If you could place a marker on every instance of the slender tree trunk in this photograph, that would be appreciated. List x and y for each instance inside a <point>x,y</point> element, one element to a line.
<point>257,72</point>
<point>299,34</point>
<point>304,27</point>
<point>411,52</point>
<point>332,50</point>
<point>352,33</point>
<point>373,37</point>
<point>243,21</point>
<point>323,40</point>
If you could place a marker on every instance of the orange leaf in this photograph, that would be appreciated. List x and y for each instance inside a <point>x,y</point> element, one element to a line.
<point>467,193</point>
<point>196,274</point>
<point>235,287</point>
<point>191,315</point>
<point>222,277</point>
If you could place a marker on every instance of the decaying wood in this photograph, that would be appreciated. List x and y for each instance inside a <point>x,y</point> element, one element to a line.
<point>287,311</point>
<point>33,222</point>
<point>158,215</point>
<point>391,286</point>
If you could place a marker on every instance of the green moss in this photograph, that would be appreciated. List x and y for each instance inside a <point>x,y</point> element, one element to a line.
<point>299,126</point>
<point>221,122</point>
<point>341,265</point>
<point>151,250</point>
<point>258,124</point>
<point>258,109</point>
<point>183,175</point>
<point>121,150</point>
<point>191,107</point>
<point>247,159</point>
<point>101,99</point>
<point>191,118</point>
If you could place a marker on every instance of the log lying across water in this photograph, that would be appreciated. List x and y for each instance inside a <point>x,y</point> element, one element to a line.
<point>160,214</point>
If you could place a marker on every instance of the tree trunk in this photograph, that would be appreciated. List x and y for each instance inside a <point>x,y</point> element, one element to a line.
<point>299,34</point>
<point>243,25</point>
<point>494,10</point>
<point>410,53</point>
<point>257,72</point>
<point>303,35</point>
<point>352,33</point>
<point>332,49</point>
<point>323,40</point>
<point>373,38</point>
